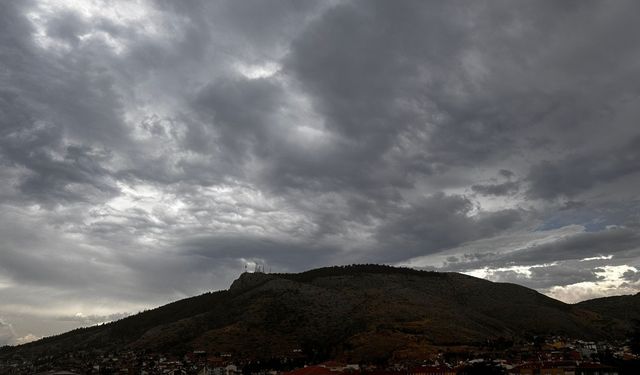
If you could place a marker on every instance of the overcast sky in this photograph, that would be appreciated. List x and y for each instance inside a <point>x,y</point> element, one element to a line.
<point>150,149</point>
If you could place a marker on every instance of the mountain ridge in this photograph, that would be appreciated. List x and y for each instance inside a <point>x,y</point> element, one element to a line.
<point>350,312</point>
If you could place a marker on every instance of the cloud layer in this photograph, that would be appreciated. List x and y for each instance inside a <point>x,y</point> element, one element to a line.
<point>150,150</point>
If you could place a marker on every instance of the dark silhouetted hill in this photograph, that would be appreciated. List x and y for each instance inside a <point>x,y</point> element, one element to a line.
<point>624,308</point>
<point>353,312</point>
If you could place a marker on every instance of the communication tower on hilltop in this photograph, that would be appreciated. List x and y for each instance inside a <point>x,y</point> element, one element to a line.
<point>257,268</point>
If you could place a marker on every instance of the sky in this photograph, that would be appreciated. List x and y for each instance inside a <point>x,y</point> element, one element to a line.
<point>149,150</point>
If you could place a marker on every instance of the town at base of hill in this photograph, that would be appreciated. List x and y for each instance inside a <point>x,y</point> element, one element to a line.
<point>544,355</point>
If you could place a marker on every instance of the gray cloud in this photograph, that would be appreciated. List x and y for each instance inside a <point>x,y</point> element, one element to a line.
<point>504,188</point>
<point>619,242</point>
<point>611,241</point>
<point>55,130</point>
<point>89,320</point>
<point>7,334</point>
<point>285,256</point>
<point>439,222</point>
<point>147,154</point>
<point>577,173</point>
<point>545,277</point>
<point>632,276</point>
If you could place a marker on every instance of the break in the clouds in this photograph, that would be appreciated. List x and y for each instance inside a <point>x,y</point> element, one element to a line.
<point>149,150</point>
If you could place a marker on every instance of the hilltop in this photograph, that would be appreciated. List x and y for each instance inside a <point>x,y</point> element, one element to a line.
<point>624,308</point>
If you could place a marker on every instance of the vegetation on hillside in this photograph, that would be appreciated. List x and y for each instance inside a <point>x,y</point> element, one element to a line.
<point>357,312</point>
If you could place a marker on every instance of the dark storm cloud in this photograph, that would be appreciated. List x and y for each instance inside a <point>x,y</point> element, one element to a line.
<point>439,222</point>
<point>54,129</point>
<point>164,145</point>
<point>67,26</point>
<point>547,276</point>
<point>28,257</point>
<point>284,256</point>
<point>632,276</point>
<point>570,205</point>
<point>594,216</point>
<point>386,111</point>
<point>620,243</point>
<point>238,112</point>
<point>390,103</point>
<point>374,104</point>
<point>506,173</point>
<point>577,173</point>
<point>504,188</point>
<point>440,114</point>
<point>255,24</point>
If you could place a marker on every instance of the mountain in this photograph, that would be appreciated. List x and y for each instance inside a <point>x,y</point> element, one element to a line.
<point>354,313</point>
<point>624,308</point>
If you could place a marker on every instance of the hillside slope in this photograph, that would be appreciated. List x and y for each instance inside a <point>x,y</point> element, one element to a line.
<point>355,312</point>
<point>625,308</point>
